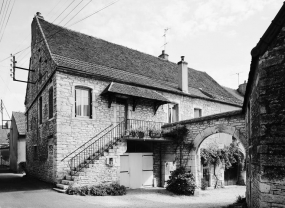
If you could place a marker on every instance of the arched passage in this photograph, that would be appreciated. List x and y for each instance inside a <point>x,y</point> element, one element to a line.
<point>231,123</point>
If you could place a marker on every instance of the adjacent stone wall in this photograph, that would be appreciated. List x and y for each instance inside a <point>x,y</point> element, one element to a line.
<point>266,123</point>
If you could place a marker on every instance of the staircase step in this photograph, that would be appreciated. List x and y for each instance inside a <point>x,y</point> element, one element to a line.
<point>61,186</point>
<point>59,190</point>
<point>71,178</point>
<point>67,182</point>
<point>80,173</point>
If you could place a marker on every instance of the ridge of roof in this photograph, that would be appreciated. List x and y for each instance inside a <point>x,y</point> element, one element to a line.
<point>70,44</point>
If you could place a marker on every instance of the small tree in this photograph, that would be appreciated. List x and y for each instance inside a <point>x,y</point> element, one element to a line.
<point>181,182</point>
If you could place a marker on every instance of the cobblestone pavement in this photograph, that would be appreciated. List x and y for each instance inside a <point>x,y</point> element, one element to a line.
<point>17,191</point>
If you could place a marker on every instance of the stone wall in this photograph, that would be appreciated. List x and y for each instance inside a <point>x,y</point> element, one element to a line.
<point>40,138</point>
<point>265,113</point>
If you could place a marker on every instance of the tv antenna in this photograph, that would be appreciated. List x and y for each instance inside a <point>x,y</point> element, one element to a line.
<point>164,35</point>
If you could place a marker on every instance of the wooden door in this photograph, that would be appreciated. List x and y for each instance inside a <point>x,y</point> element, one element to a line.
<point>121,110</point>
<point>135,170</point>
<point>147,169</point>
<point>231,175</point>
<point>124,171</point>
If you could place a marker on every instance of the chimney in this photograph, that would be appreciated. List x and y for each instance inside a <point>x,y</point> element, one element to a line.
<point>183,75</point>
<point>163,56</point>
<point>242,88</point>
<point>39,15</point>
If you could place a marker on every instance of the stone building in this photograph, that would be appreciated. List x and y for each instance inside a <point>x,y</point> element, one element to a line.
<point>265,117</point>
<point>92,108</point>
<point>17,140</point>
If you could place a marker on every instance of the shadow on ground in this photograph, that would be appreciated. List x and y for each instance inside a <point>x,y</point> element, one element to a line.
<point>11,182</point>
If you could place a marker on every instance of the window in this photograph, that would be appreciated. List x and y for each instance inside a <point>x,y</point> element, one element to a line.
<point>50,102</point>
<point>83,102</point>
<point>197,112</point>
<point>35,153</point>
<point>173,113</point>
<point>41,110</point>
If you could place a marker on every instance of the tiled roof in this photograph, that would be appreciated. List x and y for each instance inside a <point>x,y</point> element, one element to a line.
<point>135,91</point>
<point>3,135</point>
<point>20,120</point>
<point>93,55</point>
<point>234,93</point>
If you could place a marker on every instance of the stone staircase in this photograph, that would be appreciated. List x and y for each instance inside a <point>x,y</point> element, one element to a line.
<point>94,168</point>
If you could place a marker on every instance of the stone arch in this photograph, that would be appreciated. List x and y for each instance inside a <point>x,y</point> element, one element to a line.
<point>221,128</point>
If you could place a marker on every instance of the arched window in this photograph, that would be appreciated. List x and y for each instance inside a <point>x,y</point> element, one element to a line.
<point>83,102</point>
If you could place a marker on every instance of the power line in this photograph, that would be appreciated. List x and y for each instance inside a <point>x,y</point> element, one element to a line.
<point>61,29</point>
<point>7,20</point>
<point>71,11</point>
<point>78,12</point>
<point>1,7</point>
<point>95,13</point>
<point>3,16</point>
<point>54,7</point>
<point>63,11</point>
<point>3,22</point>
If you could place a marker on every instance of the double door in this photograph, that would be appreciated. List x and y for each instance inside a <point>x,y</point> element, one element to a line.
<point>136,170</point>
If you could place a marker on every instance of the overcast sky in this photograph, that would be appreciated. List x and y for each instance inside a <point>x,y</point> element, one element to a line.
<point>215,36</point>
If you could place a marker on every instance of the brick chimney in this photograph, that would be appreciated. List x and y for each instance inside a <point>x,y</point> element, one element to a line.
<point>242,88</point>
<point>163,56</point>
<point>183,75</point>
<point>39,15</point>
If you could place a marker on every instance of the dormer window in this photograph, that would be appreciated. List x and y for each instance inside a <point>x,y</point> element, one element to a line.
<point>83,102</point>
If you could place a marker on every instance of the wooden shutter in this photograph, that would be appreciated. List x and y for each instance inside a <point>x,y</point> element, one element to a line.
<point>90,102</point>
<point>75,102</point>
<point>41,110</point>
<point>50,102</point>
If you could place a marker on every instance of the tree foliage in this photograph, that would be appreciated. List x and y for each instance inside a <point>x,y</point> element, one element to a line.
<point>226,156</point>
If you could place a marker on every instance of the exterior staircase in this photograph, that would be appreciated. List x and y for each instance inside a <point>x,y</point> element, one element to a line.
<point>92,155</point>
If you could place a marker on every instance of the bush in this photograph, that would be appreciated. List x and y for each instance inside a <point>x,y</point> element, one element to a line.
<point>181,182</point>
<point>113,189</point>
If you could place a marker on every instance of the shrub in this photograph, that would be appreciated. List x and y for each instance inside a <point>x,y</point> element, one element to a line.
<point>181,182</point>
<point>113,189</point>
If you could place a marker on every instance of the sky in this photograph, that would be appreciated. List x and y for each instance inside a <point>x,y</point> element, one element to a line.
<point>215,36</point>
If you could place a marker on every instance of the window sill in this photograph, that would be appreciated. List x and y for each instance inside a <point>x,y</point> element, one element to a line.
<point>83,118</point>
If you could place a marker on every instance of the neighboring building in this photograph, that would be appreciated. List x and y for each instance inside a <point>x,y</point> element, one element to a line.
<point>264,106</point>
<point>90,90</point>
<point>4,146</point>
<point>17,140</point>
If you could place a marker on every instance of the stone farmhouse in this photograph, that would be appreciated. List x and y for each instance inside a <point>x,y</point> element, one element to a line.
<point>93,107</point>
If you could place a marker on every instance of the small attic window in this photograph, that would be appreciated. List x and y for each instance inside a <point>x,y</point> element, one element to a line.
<point>205,93</point>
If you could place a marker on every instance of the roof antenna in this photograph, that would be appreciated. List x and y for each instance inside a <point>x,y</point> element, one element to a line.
<point>164,35</point>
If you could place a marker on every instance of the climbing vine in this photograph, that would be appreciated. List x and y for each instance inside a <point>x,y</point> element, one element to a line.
<point>226,156</point>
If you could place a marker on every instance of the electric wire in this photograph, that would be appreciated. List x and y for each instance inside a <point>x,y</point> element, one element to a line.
<point>60,30</point>
<point>78,12</point>
<point>54,7</point>
<point>1,7</point>
<point>3,22</point>
<point>63,11</point>
<point>7,20</point>
<point>71,11</point>
<point>3,15</point>
<point>6,110</point>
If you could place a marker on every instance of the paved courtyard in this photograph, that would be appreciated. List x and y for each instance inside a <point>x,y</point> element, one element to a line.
<point>17,191</point>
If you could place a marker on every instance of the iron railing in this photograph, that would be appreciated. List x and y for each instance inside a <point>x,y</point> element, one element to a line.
<point>97,148</point>
<point>83,146</point>
<point>136,126</point>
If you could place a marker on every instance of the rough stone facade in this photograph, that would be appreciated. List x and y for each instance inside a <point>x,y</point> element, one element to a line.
<point>265,128</point>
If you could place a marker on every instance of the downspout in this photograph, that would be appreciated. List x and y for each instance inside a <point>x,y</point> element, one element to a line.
<point>160,164</point>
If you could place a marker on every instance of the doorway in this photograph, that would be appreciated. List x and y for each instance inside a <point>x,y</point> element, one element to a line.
<point>121,109</point>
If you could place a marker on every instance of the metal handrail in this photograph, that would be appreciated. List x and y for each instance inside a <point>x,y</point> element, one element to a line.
<point>83,145</point>
<point>96,149</point>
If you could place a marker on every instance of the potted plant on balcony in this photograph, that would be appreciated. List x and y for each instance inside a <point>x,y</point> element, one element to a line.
<point>154,133</point>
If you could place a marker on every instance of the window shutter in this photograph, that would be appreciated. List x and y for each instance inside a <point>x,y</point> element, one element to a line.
<point>75,102</point>
<point>51,103</point>
<point>90,102</point>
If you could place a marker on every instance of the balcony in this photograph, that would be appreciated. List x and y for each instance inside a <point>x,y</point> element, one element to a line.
<point>144,130</point>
